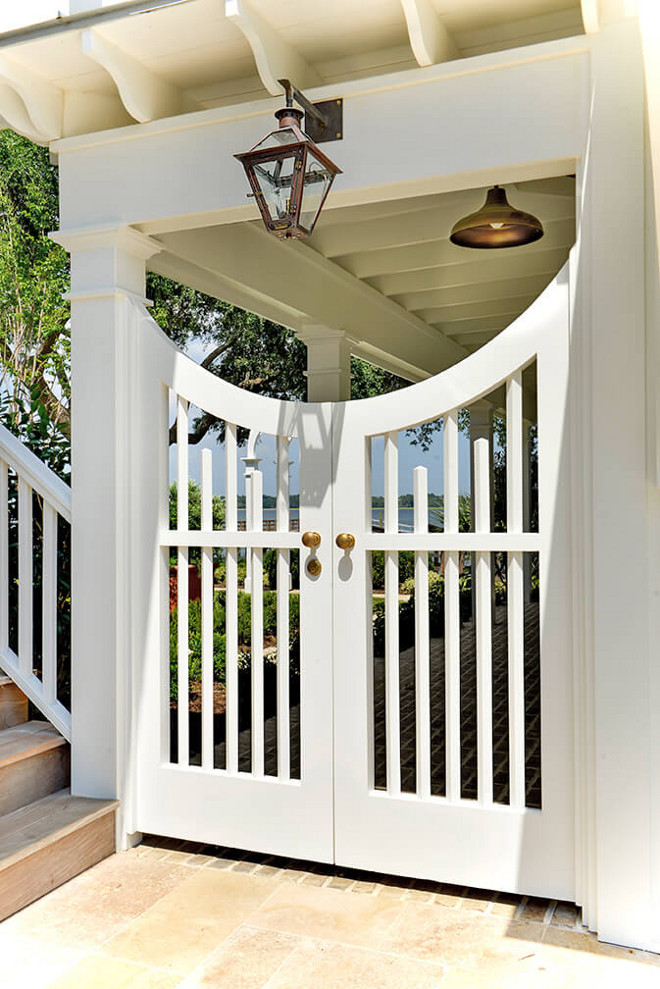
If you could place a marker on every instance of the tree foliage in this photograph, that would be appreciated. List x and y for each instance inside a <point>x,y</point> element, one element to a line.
<point>34,274</point>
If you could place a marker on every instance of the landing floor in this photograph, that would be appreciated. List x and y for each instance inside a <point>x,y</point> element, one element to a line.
<point>171,914</point>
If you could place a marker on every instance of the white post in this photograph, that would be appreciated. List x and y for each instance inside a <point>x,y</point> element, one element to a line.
<point>328,364</point>
<point>107,276</point>
<point>618,832</point>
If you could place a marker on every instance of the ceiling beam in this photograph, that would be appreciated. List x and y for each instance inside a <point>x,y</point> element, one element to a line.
<point>275,58</point>
<point>43,101</point>
<point>145,95</point>
<point>430,40</point>
<point>486,267</point>
<point>308,287</point>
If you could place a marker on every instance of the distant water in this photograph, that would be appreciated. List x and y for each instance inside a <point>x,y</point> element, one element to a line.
<point>406,516</point>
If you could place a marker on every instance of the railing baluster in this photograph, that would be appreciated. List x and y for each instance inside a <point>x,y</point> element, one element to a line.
<point>422,637</point>
<point>452,613</point>
<point>257,614</point>
<point>4,557</point>
<point>182,584</point>
<point>25,577</point>
<point>231,604</point>
<point>283,727</point>
<point>207,611</point>
<point>49,604</point>
<point>392,716</point>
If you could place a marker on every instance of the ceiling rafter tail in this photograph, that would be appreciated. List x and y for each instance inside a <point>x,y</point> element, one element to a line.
<point>590,17</point>
<point>43,102</point>
<point>145,95</point>
<point>430,40</point>
<point>275,58</point>
<point>14,114</point>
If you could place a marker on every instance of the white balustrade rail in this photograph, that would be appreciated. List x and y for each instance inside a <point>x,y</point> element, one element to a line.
<point>32,477</point>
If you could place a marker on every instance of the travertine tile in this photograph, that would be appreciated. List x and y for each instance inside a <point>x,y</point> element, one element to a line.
<point>325,914</point>
<point>246,960</point>
<point>185,926</point>
<point>100,972</point>
<point>586,942</point>
<point>324,965</point>
<point>460,938</point>
<point>92,908</point>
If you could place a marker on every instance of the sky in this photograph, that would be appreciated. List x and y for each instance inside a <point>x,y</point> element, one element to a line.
<point>410,456</point>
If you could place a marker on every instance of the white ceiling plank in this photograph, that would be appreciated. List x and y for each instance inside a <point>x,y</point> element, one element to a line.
<point>482,291</point>
<point>145,95</point>
<point>430,40</point>
<point>438,252</point>
<point>274,57</point>
<point>479,309</point>
<point>43,101</point>
<point>478,269</point>
<point>303,282</point>
<point>463,328</point>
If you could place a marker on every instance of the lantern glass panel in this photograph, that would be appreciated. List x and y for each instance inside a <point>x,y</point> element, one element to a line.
<point>275,179</point>
<point>316,184</point>
<point>277,138</point>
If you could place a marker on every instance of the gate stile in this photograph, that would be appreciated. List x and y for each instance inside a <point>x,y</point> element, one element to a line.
<point>336,810</point>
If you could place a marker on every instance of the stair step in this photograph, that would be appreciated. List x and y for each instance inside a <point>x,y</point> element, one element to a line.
<point>49,842</point>
<point>34,761</point>
<point>13,703</point>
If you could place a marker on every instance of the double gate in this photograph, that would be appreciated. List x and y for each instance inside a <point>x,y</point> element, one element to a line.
<point>305,699</point>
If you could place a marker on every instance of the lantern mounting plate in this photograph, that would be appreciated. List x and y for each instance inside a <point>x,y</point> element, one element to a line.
<point>324,121</point>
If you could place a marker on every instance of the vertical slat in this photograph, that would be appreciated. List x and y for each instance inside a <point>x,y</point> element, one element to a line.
<point>450,458</point>
<point>517,483</point>
<point>422,636</point>
<point>25,577</point>
<point>257,613</point>
<point>283,728</point>
<point>452,614</point>
<point>481,459</point>
<point>231,603</point>
<point>207,611</point>
<point>392,708</point>
<point>182,583</point>
<point>516,638</point>
<point>49,604</point>
<point>527,505</point>
<point>514,454</point>
<point>4,556</point>
<point>369,611</point>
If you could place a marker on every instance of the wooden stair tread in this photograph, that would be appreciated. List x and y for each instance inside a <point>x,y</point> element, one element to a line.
<point>30,828</point>
<point>28,739</point>
<point>5,680</point>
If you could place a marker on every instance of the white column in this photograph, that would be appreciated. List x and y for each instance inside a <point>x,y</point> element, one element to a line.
<point>616,867</point>
<point>328,363</point>
<point>107,276</point>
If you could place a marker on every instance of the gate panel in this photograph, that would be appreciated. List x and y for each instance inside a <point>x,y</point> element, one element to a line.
<point>427,781</point>
<point>257,774</point>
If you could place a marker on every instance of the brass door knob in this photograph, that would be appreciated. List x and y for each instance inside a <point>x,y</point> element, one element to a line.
<point>314,567</point>
<point>345,540</point>
<point>311,539</point>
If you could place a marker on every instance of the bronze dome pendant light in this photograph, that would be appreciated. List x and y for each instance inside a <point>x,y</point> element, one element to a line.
<point>497,224</point>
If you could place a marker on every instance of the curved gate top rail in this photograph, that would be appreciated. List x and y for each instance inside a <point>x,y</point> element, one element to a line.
<point>456,387</point>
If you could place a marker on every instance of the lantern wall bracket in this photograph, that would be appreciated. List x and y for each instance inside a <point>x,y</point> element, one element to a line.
<point>323,121</point>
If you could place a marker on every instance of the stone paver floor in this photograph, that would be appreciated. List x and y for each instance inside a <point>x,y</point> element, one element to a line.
<point>173,914</point>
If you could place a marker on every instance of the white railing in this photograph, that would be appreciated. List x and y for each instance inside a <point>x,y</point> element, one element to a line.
<point>30,561</point>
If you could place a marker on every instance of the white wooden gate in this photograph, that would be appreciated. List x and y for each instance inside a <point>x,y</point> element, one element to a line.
<point>355,799</point>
